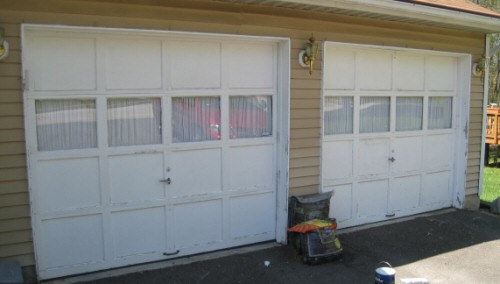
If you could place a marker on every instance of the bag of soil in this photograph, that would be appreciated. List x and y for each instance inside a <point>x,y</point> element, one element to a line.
<point>316,241</point>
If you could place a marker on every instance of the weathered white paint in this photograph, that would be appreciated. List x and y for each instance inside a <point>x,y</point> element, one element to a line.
<point>425,173</point>
<point>223,193</point>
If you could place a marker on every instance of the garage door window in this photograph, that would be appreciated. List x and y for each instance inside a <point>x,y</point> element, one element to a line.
<point>66,124</point>
<point>374,114</point>
<point>338,115</point>
<point>250,116</point>
<point>134,121</point>
<point>196,119</point>
<point>409,113</point>
<point>440,112</point>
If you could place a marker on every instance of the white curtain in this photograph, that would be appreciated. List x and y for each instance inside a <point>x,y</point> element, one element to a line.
<point>374,114</point>
<point>66,124</point>
<point>250,116</point>
<point>440,112</point>
<point>338,115</point>
<point>134,121</point>
<point>409,113</point>
<point>195,119</point>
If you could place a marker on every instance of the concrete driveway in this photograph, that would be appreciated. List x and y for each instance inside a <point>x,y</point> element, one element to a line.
<point>448,246</point>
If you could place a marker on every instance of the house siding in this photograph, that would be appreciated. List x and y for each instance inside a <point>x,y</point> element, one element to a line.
<point>214,17</point>
<point>15,226</point>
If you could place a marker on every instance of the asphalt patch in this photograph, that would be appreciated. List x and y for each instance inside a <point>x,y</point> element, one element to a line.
<point>399,244</point>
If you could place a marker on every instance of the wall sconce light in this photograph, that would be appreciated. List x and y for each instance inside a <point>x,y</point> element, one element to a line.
<point>4,45</point>
<point>308,55</point>
<point>479,67</point>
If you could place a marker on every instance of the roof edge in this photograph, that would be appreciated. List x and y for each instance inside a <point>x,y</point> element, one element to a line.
<point>461,19</point>
<point>466,6</point>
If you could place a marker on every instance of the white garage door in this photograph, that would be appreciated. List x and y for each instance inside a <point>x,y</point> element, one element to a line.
<point>148,146</point>
<point>391,131</point>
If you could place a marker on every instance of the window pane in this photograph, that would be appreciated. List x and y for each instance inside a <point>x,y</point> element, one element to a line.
<point>374,116</point>
<point>66,124</point>
<point>338,114</point>
<point>134,121</point>
<point>196,119</point>
<point>409,113</point>
<point>250,116</point>
<point>440,112</point>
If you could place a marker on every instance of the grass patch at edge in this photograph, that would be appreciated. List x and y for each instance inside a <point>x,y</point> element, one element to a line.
<point>491,186</point>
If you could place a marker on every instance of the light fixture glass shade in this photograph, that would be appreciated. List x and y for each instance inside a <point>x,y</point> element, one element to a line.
<point>309,49</point>
<point>308,55</point>
<point>4,45</point>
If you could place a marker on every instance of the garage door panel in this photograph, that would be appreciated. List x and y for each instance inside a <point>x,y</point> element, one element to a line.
<point>194,65</point>
<point>338,158</point>
<point>133,64</point>
<point>253,215</point>
<point>373,157</point>
<point>259,61</point>
<point>134,178</point>
<point>76,186</point>
<point>374,70</point>
<point>64,64</point>
<point>440,73</point>
<point>409,72</point>
<point>71,241</point>
<point>341,202</point>
<point>138,231</point>
<point>437,151</point>
<point>195,172</point>
<point>371,198</point>
<point>198,223</point>
<point>408,154</point>
<point>251,167</point>
<point>437,187</point>
<point>340,68</point>
<point>405,193</point>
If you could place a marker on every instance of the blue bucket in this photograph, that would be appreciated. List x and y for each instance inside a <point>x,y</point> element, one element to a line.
<point>385,274</point>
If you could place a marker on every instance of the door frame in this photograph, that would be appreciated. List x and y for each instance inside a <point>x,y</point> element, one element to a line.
<point>282,115</point>
<point>461,117</point>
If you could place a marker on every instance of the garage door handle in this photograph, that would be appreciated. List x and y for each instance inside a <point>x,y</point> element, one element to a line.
<point>171,253</point>
<point>392,159</point>
<point>167,180</point>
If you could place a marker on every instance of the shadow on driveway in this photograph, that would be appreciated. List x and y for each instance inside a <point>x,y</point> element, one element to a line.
<point>453,247</point>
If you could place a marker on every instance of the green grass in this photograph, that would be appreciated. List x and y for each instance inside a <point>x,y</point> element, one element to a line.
<point>491,188</point>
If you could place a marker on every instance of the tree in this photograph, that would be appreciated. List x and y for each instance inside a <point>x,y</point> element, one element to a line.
<point>491,4</point>
<point>494,60</point>
<point>494,87</point>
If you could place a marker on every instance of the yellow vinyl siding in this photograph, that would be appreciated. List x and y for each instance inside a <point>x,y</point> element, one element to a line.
<point>12,135</point>
<point>10,69</point>
<point>15,226</point>
<point>214,17</point>
<point>474,143</point>
<point>10,96</point>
